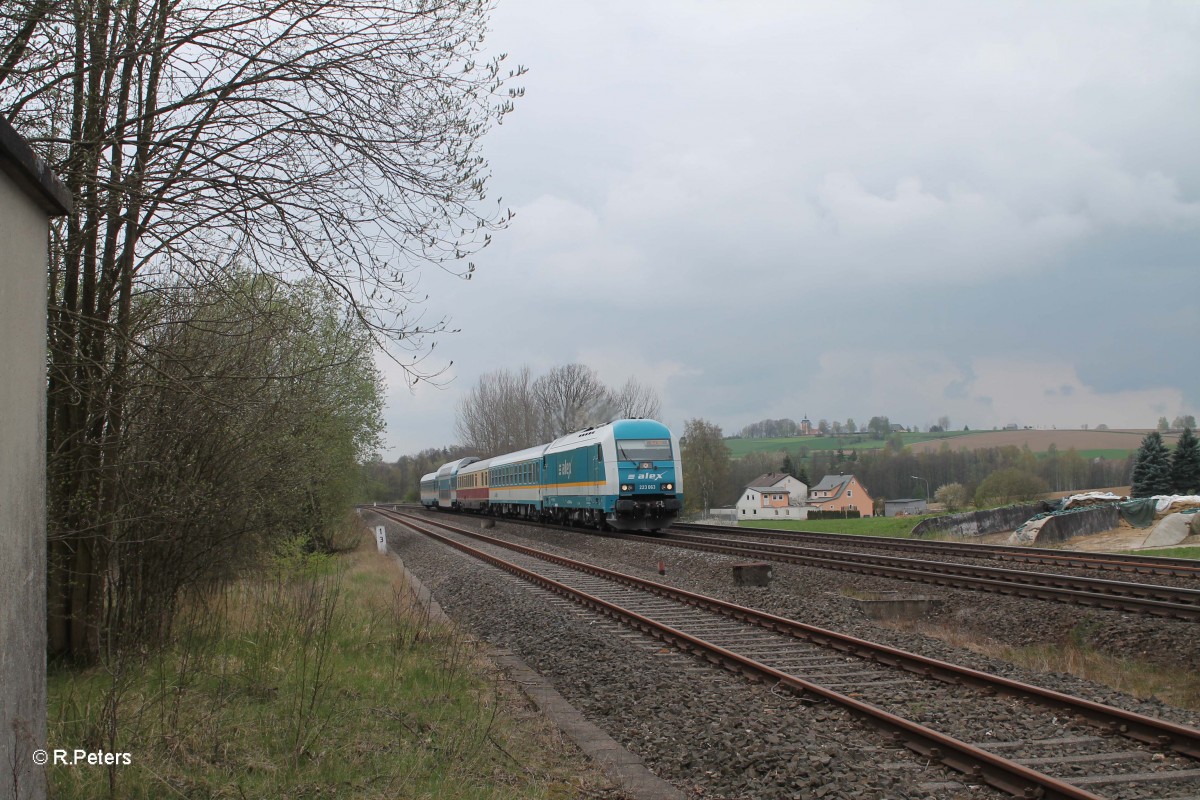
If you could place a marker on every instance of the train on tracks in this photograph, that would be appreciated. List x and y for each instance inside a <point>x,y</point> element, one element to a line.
<point>624,475</point>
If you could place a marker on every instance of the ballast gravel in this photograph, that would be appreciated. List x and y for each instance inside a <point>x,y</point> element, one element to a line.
<point>713,733</point>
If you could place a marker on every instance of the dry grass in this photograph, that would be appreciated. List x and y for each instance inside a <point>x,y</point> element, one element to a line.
<point>321,677</point>
<point>1175,686</point>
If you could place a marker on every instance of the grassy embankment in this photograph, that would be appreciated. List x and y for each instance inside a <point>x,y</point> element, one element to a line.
<point>1169,552</point>
<point>319,679</point>
<point>866,526</point>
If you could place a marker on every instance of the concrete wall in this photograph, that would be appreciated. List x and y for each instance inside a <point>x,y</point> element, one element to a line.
<point>29,196</point>
<point>772,512</point>
<point>1061,527</point>
<point>978,523</point>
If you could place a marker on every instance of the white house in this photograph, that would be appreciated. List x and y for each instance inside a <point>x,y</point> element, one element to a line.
<point>775,495</point>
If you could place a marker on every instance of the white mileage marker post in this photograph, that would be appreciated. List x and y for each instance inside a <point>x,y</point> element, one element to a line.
<point>381,538</point>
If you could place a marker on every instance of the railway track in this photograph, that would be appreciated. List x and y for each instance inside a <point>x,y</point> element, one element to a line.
<point>1127,596</point>
<point>1117,595</point>
<point>967,724</point>
<point>1115,562</point>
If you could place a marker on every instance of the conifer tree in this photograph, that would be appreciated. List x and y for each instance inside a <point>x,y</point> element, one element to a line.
<point>788,467</point>
<point>1185,464</point>
<point>1152,467</point>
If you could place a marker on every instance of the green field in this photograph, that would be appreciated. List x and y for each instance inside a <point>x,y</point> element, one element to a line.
<point>1170,552</point>
<point>868,526</point>
<point>743,447</point>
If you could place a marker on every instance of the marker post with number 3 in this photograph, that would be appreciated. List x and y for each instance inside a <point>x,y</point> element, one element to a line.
<point>381,538</point>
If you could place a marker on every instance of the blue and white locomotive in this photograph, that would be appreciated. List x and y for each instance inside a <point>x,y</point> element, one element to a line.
<point>624,475</point>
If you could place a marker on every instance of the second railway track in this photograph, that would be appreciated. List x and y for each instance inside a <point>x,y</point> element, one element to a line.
<point>1142,598</point>
<point>1129,563</point>
<point>1168,601</point>
<point>1160,763</point>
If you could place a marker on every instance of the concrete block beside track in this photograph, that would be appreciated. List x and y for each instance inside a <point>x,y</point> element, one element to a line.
<point>755,574</point>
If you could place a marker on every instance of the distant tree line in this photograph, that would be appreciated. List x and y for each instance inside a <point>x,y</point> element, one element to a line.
<point>890,472</point>
<point>770,429</point>
<point>878,427</point>
<point>1181,422</point>
<point>401,481</point>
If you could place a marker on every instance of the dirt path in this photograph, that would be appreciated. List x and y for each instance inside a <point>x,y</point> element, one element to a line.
<point>1123,538</point>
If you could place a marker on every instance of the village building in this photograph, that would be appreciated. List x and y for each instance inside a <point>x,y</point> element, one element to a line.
<point>841,493</point>
<point>775,495</point>
<point>905,507</point>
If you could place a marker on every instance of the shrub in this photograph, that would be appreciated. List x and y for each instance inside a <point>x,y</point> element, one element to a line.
<point>1009,485</point>
<point>953,496</point>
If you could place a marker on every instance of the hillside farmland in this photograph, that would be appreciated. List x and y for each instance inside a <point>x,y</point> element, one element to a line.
<point>1039,441</point>
<point>1114,444</point>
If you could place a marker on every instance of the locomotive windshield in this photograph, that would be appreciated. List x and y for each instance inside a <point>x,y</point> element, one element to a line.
<point>644,450</point>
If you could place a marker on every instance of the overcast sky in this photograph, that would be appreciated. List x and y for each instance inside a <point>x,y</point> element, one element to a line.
<point>989,211</point>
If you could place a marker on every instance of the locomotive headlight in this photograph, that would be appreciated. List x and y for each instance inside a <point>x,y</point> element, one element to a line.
<point>626,487</point>
<point>668,487</point>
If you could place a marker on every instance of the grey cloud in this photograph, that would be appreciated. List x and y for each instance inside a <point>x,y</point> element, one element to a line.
<point>938,183</point>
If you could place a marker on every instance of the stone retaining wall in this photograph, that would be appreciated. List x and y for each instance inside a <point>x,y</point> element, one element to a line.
<point>978,523</point>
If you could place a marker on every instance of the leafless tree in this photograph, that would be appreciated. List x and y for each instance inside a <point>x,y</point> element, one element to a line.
<point>635,400</point>
<point>569,398</point>
<point>328,137</point>
<point>505,411</point>
<point>499,415</point>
